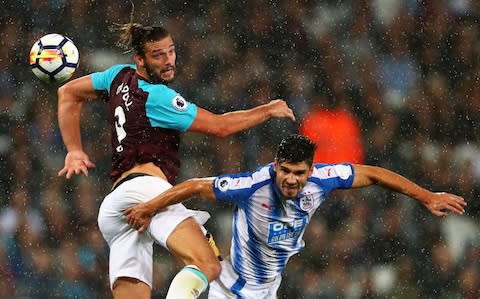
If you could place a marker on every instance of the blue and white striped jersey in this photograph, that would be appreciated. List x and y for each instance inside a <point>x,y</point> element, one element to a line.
<point>268,229</point>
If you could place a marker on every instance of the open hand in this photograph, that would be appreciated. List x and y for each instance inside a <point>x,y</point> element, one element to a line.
<point>441,203</point>
<point>76,162</point>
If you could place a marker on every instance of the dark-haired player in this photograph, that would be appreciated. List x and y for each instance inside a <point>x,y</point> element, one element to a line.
<point>273,206</point>
<point>147,118</point>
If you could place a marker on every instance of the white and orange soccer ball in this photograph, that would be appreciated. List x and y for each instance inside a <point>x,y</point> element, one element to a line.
<point>54,58</point>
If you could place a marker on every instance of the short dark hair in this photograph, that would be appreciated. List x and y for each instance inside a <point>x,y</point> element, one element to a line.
<point>296,148</point>
<point>133,36</point>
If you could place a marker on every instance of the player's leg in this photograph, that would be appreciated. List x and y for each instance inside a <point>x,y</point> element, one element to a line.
<point>220,288</point>
<point>130,257</point>
<point>130,265</point>
<point>127,287</point>
<point>175,228</point>
<point>229,285</point>
<point>219,291</point>
<point>213,245</point>
<point>187,242</point>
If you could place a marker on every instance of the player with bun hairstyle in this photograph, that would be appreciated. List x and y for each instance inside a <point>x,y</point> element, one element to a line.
<point>147,119</point>
<point>273,206</point>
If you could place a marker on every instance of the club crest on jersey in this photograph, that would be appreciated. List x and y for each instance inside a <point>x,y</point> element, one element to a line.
<point>306,202</point>
<point>223,183</point>
<point>180,103</point>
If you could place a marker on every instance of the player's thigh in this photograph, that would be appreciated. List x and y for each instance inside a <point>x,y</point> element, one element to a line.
<point>130,251</point>
<point>111,220</point>
<point>188,242</point>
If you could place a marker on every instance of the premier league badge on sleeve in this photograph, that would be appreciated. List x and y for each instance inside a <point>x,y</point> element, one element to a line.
<point>180,103</point>
<point>223,183</point>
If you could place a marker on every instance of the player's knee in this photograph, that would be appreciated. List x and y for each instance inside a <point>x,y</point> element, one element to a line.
<point>210,267</point>
<point>212,270</point>
<point>209,260</point>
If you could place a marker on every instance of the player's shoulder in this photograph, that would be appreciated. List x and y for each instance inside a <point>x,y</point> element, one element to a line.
<point>156,87</point>
<point>258,175</point>
<point>103,79</point>
<point>263,173</point>
<point>162,94</point>
<point>112,71</point>
<point>245,180</point>
<point>116,68</point>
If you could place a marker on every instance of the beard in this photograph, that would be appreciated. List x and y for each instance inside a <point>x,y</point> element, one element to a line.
<point>154,76</point>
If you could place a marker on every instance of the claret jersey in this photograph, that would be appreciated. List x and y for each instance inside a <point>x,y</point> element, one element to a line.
<point>268,230</point>
<point>146,119</point>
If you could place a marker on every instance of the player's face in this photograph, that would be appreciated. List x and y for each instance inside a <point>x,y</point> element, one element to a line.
<point>292,177</point>
<point>159,61</point>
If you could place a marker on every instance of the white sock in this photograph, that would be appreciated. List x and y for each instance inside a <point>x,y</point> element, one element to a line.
<point>189,283</point>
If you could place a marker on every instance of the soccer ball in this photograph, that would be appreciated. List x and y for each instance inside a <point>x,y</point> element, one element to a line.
<point>54,58</point>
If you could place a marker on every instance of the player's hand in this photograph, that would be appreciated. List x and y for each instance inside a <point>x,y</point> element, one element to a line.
<point>279,108</point>
<point>138,217</point>
<point>76,162</point>
<point>441,203</point>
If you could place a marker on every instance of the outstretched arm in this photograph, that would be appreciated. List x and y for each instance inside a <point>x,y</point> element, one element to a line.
<point>438,203</point>
<point>229,123</point>
<point>139,216</point>
<point>70,100</point>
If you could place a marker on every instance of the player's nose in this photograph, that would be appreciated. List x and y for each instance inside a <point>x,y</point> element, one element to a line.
<point>291,179</point>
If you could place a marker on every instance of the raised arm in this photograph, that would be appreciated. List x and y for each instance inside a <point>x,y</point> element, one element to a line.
<point>139,216</point>
<point>70,100</point>
<point>438,203</point>
<point>229,123</point>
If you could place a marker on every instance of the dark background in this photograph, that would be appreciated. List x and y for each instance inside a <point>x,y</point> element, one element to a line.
<point>408,71</point>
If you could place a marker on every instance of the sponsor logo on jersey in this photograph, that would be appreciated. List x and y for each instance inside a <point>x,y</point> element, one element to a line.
<point>180,103</point>
<point>279,231</point>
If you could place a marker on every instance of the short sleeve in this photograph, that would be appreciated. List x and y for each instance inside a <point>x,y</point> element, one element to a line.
<point>333,176</point>
<point>234,188</point>
<point>165,108</point>
<point>102,80</point>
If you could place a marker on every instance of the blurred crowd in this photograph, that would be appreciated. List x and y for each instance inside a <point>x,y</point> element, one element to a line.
<point>407,71</point>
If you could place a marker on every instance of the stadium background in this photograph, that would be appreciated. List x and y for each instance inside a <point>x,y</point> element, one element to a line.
<point>407,70</point>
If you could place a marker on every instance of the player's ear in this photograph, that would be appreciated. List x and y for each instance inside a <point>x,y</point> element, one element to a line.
<point>310,172</point>
<point>139,60</point>
<point>275,163</point>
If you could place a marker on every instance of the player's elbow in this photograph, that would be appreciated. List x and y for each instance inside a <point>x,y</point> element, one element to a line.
<point>61,92</point>
<point>65,92</point>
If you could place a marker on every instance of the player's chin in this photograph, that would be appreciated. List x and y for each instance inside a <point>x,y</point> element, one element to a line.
<point>168,76</point>
<point>290,192</point>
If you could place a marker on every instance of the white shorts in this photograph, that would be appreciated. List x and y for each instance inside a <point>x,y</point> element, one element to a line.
<point>131,252</point>
<point>230,286</point>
